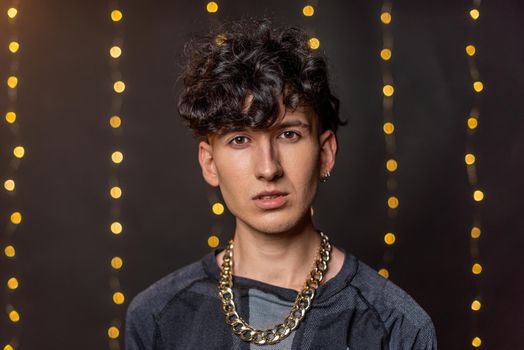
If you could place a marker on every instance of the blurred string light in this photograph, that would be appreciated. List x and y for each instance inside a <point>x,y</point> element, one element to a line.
<point>308,11</point>
<point>17,152</point>
<point>470,160</point>
<point>12,12</point>
<point>115,262</point>
<point>14,46</point>
<point>12,81</point>
<point>313,43</point>
<point>388,129</point>
<point>212,7</point>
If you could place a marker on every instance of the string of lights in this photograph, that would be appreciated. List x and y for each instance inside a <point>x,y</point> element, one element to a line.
<point>470,160</point>
<point>388,129</point>
<point>217,207</point>
<point>308,11</point>
<point>115,190</point>
<point>10,186</point>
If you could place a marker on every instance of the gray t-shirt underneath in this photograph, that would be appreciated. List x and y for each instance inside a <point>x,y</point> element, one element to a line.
<point>357,309</point>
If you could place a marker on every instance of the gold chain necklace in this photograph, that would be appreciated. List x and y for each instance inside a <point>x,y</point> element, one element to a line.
<point>302,302</point>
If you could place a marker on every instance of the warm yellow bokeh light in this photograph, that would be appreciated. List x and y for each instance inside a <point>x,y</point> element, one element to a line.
<point>119,86</point>
<point>385,54</point>
<point>390,238</point>
<point>388,90</point>
<point>212,7</point>
<point>308,10</point>
<point>12,12</point>
<point>385,17</point>
<point>476,269</point>
<point>213,241</point>
<point>478,195</point>
<point>115,121</point>
<point>113,332</point>
<point>10,117</point>
<point>14,316</point>
<point>388,128</point>
<point>115,51</point>
<point>313,43</point>
<point>14,46</point>
<point>19,151</point>
<point>470,50</point>
<point>476,305</point>
<point>118,298</point>
<point>393,202</point>
<point>9,185</point>
<point>218,208</point>
<point>391,165</point>
<point>476,342</point>
<point>115,192</point>
<point>9,251</point>
<point>474,14</point>
<point>117,157</point>
<point>117,263</point>
<point>116,228</point>
<point>472,123</point>
<point>16,218</point>
<point>116,15</point>
<point>475,232</point>
<point>12,81</point>
<point>12,283</point>
<point>469,159</point>
<point>384,273</point>
<point>9,347</point>
<point>478,86</point>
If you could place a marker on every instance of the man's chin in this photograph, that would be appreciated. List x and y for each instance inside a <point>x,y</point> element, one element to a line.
<point>275,226</point>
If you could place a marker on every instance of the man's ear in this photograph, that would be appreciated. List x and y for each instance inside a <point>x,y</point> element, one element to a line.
<point>207,163</point>
<point>328,151</point>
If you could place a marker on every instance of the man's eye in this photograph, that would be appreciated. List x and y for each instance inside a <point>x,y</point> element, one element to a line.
<point>239,140</point>
<point>290,135</point>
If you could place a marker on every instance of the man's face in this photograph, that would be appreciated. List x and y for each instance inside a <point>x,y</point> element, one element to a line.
<point>288,158</point>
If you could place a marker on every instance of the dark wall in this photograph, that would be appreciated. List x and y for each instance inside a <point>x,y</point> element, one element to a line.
<point>64,101</point>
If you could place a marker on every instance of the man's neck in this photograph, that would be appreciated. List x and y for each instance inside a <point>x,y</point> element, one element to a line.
<point>281,259</point>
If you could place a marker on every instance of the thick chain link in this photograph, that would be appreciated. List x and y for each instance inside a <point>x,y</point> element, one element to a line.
<point>302,302</point>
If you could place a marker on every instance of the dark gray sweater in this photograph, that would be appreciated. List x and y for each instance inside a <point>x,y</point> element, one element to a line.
<point>357,309</point>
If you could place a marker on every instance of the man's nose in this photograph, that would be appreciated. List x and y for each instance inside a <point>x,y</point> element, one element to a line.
<point>267,161</point>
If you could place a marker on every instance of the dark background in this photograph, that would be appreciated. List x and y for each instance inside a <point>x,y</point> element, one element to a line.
<point>65,93</point>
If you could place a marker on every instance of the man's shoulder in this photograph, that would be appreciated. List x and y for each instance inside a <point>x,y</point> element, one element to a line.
<point>154,298</point>
<point>394,306</point>
<point>145,308</point>
<point>384,295</point>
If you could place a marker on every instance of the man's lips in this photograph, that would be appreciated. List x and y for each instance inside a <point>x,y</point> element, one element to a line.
<point>272,200</point>
<point>265,194</point>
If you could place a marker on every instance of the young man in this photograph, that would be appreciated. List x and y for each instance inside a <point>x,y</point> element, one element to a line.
<point>259,101</point>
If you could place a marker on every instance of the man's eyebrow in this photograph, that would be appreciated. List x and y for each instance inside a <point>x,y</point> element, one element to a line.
<point>290,123</point>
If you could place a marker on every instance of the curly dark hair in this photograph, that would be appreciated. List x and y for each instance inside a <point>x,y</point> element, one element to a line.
<point>251,59</point>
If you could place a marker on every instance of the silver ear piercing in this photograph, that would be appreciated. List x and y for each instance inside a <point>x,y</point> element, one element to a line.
<point>325,177</point>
